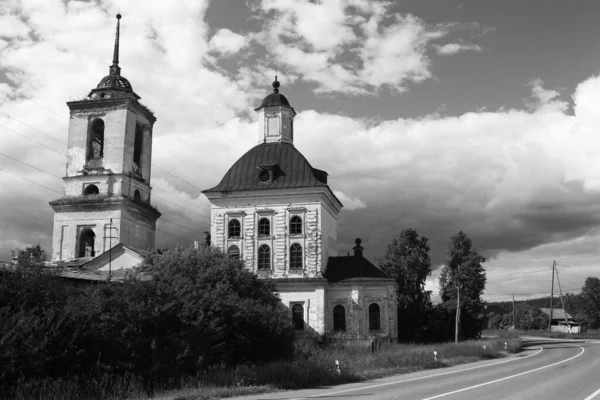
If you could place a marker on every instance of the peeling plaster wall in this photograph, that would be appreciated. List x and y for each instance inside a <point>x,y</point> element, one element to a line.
<point>356,297</point>
<point>312,299</point>
<point>279,241</point>
<point>329,224</point>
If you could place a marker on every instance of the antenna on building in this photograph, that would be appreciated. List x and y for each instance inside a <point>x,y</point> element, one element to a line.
<point>114,68</point>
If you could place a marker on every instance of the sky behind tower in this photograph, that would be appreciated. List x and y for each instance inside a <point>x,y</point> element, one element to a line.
<point>435,115</point>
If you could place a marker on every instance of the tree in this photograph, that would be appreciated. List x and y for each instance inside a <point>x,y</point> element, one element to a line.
<point>462,282</point>
<point>229,315</point>
<point>407,261</point>
<point>590,296</point>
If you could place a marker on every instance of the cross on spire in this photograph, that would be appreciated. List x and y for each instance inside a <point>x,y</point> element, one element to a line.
<point>114,68</point>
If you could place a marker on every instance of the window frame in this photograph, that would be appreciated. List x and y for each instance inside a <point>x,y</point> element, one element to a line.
<point>262,222</point>
<point>231,255</point>
<point>295,315</point>
<point>299,224</point>
<point>262,259</point>
<point>300,256</point>
<point>336,318</point>
<point>229,228</point>
<point>374,324</point>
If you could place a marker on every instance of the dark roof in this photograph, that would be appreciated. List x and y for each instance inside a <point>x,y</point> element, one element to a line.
<point>348,267</point>
<point>557,313</point>
<point>117,82</point>
<point>274,99</point>
<point>290,170</point>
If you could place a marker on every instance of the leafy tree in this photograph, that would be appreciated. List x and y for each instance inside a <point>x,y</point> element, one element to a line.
<point>590,296</point>
<point>462,282</point>
<point>229,315</point>
<point>407,261</point>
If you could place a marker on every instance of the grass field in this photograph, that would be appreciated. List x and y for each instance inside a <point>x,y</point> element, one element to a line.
<point>589,334</point>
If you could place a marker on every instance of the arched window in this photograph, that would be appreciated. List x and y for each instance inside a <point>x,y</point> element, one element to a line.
<point>295,256</point>
<point>374,319</point>
<point>264,227</point>
<point>137,145</point>
<point>295,225</point>
<point>339,318</point>
<point>298,317</point>
<point>233,252</point>
<point>137,196</point>
<point>234,228</point>
<point>264,257</point>
<point>91,189</point>
<point>86,243</point>
<point>96,143</point>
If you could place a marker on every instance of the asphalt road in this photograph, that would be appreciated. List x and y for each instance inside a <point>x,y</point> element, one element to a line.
<point>548,369</point>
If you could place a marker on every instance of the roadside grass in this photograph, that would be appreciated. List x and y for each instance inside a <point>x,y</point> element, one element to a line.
<point>312,366</point>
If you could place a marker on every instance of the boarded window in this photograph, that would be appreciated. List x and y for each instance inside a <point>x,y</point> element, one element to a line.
<point>295,256</point>
<point>298,317</point>
<point>138,143</point>
<point>295,225</point>
<point>339,318</point>
<point>86,243</point>
<point>96,142</point>
<point>264,257</point>
<point>233,252</point>
<point>374,317</point>
<point>264,227</point>
<point>234,228</point>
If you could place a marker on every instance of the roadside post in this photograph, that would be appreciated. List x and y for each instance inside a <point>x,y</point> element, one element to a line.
<point>435,355</point>
<point>337,367</point>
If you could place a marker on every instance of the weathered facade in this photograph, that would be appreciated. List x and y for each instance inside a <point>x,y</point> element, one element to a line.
<point>107,189</point>
<point>274,211</point>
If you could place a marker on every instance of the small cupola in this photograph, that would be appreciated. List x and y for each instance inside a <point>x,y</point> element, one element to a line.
<point>275,118</point>
<point>113,84</point>
<point>358,249</point>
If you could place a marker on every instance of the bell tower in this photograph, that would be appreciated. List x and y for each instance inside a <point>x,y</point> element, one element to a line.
<point>106,199</point>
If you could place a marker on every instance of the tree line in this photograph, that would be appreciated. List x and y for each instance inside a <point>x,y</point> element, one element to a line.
<point>461,284</point>
<point>584,307</point>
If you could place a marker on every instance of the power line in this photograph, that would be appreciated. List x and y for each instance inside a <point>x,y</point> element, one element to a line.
<point>33,140</point>
<point>36,168</point>
<point>179,197</point>
<point>31,127</point>
<point>25,179</point>
<point>177,205</point>
<point>34,102</point>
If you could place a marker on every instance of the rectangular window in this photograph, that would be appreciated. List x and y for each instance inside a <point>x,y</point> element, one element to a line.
<point>137,147</point>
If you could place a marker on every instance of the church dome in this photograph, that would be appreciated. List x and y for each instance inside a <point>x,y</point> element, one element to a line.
<point>117,82</point>
<point>275,99</point>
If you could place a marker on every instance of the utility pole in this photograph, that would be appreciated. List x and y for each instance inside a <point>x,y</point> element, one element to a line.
<point>561,301</point>
<point>551,298</point>
<point>514,326</point>
<point>110,251</point>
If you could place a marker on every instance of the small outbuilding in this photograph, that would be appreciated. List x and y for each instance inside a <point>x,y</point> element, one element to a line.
<point>562,321</point>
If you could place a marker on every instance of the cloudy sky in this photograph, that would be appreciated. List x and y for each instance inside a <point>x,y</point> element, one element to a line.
<point>471,115</point>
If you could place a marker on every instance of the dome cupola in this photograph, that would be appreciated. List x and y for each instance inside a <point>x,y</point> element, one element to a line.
<point>275,118</point>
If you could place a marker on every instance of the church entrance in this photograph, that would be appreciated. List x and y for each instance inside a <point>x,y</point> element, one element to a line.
<point>86,243</point>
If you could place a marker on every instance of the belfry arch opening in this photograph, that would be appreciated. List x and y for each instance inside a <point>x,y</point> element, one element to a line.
<point>90,190</point>
<point>86,243</point>
<point>95,149</point>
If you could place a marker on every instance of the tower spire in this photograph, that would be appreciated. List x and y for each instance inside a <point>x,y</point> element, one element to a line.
<point>114,68</point>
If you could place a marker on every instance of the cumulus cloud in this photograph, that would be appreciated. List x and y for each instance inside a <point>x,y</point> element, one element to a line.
<point>352,46</point>
<point>227,42</point>
<point>454,48</point>
<point>349,203</point>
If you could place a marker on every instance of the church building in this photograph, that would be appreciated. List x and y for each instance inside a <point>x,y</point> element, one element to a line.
<point>272,210</point>
<point>106,186</point>
<point>276,212</point>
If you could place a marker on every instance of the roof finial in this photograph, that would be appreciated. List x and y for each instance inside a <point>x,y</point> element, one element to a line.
<point>276,83</point>
<point>114,68</point>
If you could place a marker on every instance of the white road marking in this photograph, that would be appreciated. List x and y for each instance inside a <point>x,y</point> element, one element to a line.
<point>508,377</point>
<point>419,378</point>
<point>591,396</point>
